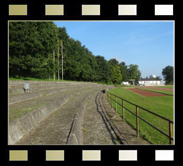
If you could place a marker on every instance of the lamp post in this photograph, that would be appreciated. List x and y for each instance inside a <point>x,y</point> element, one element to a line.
<point>58,58</point>
<point>54,65</point>
<point>62,58</point>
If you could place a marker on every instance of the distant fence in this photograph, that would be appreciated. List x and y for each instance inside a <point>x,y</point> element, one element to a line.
<point>110,98</point>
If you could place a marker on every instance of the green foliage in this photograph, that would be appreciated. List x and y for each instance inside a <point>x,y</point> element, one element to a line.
<point>167,73</point>
<point>117,77</point>
<point>29,46</point>
<point>33,44</point>
<point>124,71</point>
<point>134,72</point>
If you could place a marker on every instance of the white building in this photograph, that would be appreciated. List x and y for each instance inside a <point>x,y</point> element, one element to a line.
<point>150,82</point>
<point>125,83</point>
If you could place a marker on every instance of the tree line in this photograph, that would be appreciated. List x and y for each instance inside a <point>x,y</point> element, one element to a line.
<point>35,51</point>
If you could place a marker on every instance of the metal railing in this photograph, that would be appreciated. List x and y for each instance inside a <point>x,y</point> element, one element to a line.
<point>170,135</point>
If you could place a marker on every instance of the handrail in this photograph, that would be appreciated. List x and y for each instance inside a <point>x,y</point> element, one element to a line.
<point>138,117</point>
<point>147,122</point>
<point>142,108</point>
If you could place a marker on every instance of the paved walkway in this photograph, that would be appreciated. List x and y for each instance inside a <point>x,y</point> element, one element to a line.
<point>96,130</point>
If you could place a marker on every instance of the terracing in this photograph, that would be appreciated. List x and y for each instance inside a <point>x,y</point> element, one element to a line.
<point>60,113</point>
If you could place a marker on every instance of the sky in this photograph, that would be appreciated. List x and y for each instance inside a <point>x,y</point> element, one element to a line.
<point>148,44</point>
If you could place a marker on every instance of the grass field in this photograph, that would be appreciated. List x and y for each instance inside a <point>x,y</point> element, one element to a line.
<point>161,105</point>
<point>167,86</point>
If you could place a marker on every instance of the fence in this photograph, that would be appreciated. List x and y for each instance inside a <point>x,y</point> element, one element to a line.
<point>170,135</point>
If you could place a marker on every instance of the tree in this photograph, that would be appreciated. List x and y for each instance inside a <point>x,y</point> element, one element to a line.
<point>115,72</point>
<point>158,78</point>
<point>167,73</point>
<point>123,69</point>
<point>29,46</point>
<point>33,44</point>
<point>102,69</point>
<point>134,72</point>
<point>117,77</point>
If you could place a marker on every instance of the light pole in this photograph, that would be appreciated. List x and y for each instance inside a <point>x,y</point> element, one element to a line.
<point>58,58</point>
<point>62,58</point>
<point>54,65</point>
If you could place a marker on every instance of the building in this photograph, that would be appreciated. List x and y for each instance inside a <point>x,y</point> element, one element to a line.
<point>151,82</point>
<point>125,83</point>
<point>132,81</point>
<point>129,82</point>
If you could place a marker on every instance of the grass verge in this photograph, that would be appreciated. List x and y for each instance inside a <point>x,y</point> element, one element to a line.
<point>167,86</point>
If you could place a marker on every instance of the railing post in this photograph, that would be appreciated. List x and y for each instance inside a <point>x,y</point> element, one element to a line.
<point>116,104</point>
<point>123,110</point>
<point>137,121</point>
<point>170,132</point>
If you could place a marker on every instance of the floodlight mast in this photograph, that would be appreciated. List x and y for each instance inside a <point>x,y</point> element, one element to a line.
<point>58,59</point>
<point>54,66</point>
<point>62,58</point>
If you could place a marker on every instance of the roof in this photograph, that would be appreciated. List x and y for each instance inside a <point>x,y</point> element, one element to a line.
<point>149,80</point>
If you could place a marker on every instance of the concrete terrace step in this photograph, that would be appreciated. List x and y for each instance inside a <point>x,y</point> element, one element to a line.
<point>41,83</point>
<point>38,93</point>
<point>17,86</point>
<point>33,88</point>
<point>18,109</point>
<point>28,110</point>
<point>23,125</point>
<point>63,125</point>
